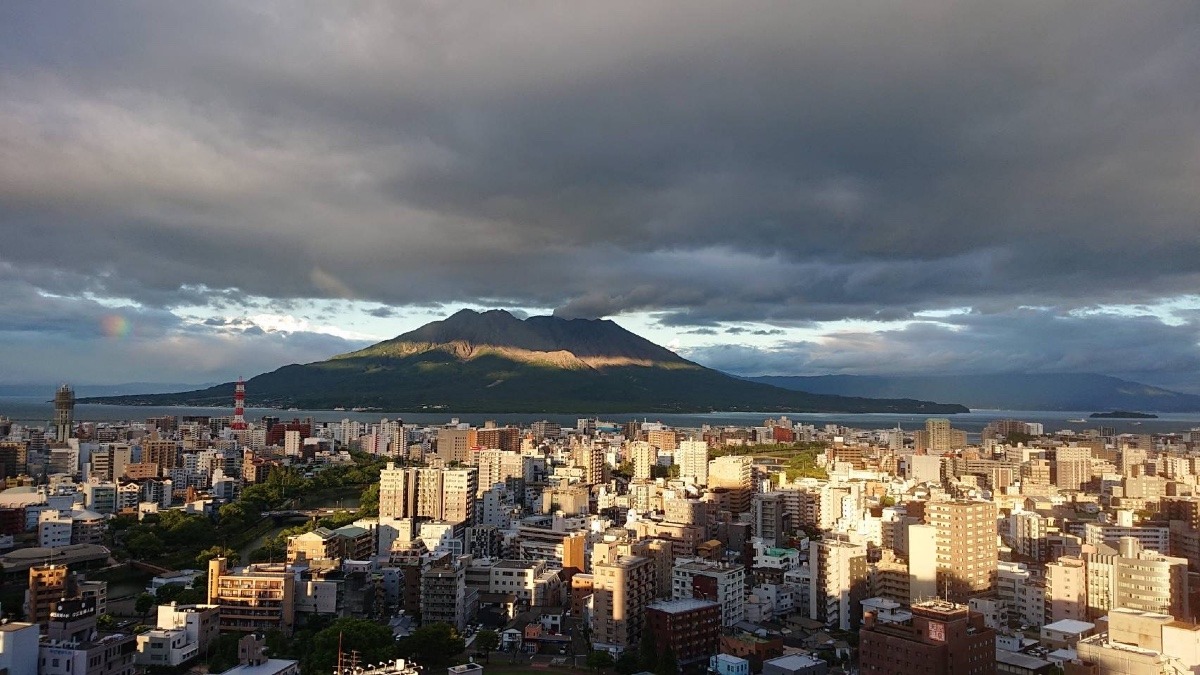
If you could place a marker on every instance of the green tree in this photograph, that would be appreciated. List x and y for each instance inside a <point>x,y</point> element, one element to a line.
<point>223,652</point>
<point>106,622</point>
<point>144,603</point>
<point>145,545</point>
<point>192,596</point>
<point>598,660</point>
<point>432,646</point>
<point>368,502</point>
<point>217,551</point>
<point>233,516</point>
<point>648,652</point>
<point>486,641</point>
<point>168,592</point>
<point>627,663</point>
<point>373,642</point>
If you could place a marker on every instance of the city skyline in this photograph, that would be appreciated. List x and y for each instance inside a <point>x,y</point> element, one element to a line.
<point>192,193</point>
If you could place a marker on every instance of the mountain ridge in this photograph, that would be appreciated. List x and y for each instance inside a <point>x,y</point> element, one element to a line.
<point>1001,391</point>
<point>494,362</point>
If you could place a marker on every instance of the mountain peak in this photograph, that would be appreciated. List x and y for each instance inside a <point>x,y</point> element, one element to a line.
<point>467,332</point>
<point>493,361</point>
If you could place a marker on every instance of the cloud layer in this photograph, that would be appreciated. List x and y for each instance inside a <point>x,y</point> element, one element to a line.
<point>710,163</point>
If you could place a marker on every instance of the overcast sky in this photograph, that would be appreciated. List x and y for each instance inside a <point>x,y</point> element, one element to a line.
<point>193,191</point>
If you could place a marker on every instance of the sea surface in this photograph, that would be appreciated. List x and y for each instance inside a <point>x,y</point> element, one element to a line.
<point>39,410</point>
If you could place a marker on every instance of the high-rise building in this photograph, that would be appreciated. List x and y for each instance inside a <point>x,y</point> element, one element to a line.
<point>621,590</point>
<point>643,456</point>
<point>967,551</point>
<point>732,476</point>
<point>444,591</point>
<point>438,494</point>
<point>47,585</point>
<point>687,628</point>
<point>692,458</point>
<point>1072,467</point>
<point>922,563</point>
<point>459,487</point>
<point>454,445</point>
<point>64,413</point>
<point>590,458</point>
<point>941,638</point>
<point>663,439</point>
<point>731,471</point>
<point>723,583</point>
<point>498,438</point>
<point>163,453</point>
<point>397,492</point>
<point>1066,590</point>
<point>771,521</point>
<point>839,582</point>
<point>13,458</point>
<point>1148,581</point>
<point>108,462</point>
<point>938,437</point>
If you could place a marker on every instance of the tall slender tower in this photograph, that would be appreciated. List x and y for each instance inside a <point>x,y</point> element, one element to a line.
<point>64,412</point>
<point>239,407</point>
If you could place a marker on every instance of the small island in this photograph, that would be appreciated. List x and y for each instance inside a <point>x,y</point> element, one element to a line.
<point>1124,415</point>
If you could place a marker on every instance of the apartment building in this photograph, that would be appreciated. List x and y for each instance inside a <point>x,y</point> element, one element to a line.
<point>967,551</point>
<point>253,599</point>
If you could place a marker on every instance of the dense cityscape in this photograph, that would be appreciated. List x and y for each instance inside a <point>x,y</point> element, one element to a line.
<point>621,337</point>
<point>778,548</point>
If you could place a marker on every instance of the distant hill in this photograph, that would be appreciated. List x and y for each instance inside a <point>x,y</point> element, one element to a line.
<point>494,362</point>
<point>1082,391</point>
<point>47,388</point>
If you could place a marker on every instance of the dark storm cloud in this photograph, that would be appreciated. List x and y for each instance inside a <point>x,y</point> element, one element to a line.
<point>712,163</point>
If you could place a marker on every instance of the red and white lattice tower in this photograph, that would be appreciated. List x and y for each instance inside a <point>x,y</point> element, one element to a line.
<point>239,407</point>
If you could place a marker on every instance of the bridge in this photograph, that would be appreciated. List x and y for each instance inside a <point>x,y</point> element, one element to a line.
<point>147,567</point>
<point>305,513</point>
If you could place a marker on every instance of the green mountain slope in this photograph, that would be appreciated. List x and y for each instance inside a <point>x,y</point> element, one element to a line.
<point>494,362</point>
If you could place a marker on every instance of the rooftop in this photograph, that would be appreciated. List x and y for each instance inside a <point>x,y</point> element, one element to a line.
<point>351,531</point>
<point>681,605</point>
<point>24,558</point>
<point>268,667</point>
<point>516,564</point>
<point>1020,660</point>
<point>1070,626</point>
<point>794,661</point>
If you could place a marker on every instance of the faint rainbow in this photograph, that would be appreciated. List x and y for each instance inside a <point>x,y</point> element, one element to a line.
<point>114,326</point>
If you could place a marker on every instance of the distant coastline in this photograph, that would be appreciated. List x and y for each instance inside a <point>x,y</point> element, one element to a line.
<point>35,410</point>
<point>1123,415</point>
